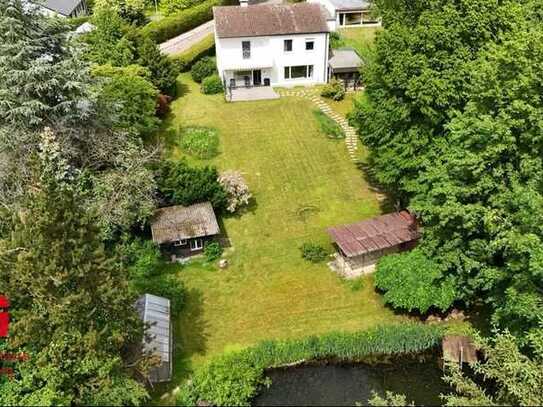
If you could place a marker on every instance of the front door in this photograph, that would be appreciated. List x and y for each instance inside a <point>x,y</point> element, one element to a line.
<point>257,77</point>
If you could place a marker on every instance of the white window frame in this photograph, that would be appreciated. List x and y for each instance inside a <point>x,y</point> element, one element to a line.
<point>309,70</point>
<point>196,244</point>
<point>308,40</point>
<point>181,242</point>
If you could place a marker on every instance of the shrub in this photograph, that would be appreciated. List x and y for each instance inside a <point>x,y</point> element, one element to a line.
<point>313,252</point>
<point>187,59</point>
<point>163,70</point>
<point>202,69</point>
<point>412,281</point>
<point>236,189</point>
<point>333,90</point>
<point>167,286</point>
<point>234,378</point>
<point>172,6</point>
<point>356,284</point>
<point>336,41</point>
<point>180,22</point>
<point>163,105</point>
<point>132,97</point>
<point>212,85</point>
<point>180,184</point>
<point>201,142</point>
<point>329,126</point>
<point>146,268</point>
<point>212,251</point>
<point>142,257</point>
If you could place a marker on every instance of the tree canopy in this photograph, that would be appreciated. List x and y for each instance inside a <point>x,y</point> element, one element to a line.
<point>45,82</point>
<point>72,311</point>
<point>452,117</point>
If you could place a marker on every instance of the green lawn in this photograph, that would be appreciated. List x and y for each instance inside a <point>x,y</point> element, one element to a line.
<point>359,38</point>
<point>302,182</point>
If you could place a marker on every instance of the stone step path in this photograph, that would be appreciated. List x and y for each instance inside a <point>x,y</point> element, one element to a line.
<point>351,138</point>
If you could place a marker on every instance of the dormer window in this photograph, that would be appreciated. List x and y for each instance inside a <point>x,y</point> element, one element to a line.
<point>288,45</point>
<point>246,48</point>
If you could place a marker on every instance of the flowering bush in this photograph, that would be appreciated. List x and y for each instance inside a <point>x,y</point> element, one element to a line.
<point>236,189</point>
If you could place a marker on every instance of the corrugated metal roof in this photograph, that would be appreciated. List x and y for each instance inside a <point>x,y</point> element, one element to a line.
<point>269,19</point>
<point>176,223</point>
<point>155,313</point>
<point>351,5</point>
<point>63,7</point>
<point>375,234</point>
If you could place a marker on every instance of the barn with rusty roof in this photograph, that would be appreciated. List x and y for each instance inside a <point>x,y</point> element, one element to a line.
<point>360,245</point>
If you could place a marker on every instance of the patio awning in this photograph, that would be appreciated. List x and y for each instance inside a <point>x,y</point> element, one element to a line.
<point>247,65</point>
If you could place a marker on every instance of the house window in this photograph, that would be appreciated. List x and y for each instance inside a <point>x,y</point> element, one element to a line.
<point>310,45</point>
<point>246,47</point>
<point>288,45</point>
<point>196,244</point>
<point>353,19</point>
<point>181,242</point>
<point>297,72</point>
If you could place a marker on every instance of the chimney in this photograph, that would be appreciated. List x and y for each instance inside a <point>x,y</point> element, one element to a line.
<point>243,3</point>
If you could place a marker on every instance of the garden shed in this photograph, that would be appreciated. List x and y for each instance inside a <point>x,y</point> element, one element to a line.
<point>360,245</point>
<point>158,340</point>
<point>183,230</point>
<point>344,65</point>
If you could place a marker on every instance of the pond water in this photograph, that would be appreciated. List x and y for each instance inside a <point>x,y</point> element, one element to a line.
<point>347,385</point>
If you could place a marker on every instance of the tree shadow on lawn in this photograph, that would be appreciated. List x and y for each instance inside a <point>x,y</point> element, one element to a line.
<point>190,330</point>
<point>189,338</point>
<point>250,208</point>
<point>391,202</point>
<point>182,89</point>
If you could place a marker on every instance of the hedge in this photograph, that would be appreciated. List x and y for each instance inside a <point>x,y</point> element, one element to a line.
<point>180,22</point>
<point>186,59</point>
<point>235,378</point>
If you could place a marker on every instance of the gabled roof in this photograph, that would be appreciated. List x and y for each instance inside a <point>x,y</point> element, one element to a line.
<point>155,313</point>
<point>63,7</point>
<point>351,5</point>
<point>269,19</point>
<point>382,232</point>
<point>176,223</point>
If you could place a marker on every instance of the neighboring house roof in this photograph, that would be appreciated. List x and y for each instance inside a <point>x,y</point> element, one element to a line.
<point>351,5</point>
<point>63,7</point>
<point>155,313</point>
<point>345,59</point>
<point>375,234</point>
<point>269,19</point>
<point>176,223</point>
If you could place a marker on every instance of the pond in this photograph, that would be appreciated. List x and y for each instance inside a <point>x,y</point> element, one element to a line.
<point>348,385</point>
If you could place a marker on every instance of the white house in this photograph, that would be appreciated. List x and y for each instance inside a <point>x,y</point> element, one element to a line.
<point>348,13</point>
<point>270,44</point>
<point>62,8</point>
